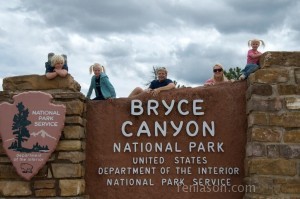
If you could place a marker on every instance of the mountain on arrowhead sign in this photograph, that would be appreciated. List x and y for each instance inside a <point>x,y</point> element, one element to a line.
<point>30,130</point>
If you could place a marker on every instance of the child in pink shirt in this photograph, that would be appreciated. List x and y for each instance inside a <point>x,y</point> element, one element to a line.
<point>252,58</point>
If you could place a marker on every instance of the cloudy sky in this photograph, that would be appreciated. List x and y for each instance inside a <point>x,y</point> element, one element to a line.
<point>129,37</point>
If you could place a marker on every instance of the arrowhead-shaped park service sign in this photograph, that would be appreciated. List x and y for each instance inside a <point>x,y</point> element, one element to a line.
<point>30,130</point>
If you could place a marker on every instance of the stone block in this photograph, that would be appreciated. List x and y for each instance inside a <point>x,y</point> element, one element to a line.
<point>292,103</point>
<point>5,96</point>
<point>72,187</point>
<point>74,120</point>
<point>259,185</point>
<point>273,151</point>
<point>290,188</point>
<point>265,134</point>
<point>267,105</point>
<point>258,118</point>
<point>292,136</point>
<point>44,184</point>
<point>10,172</point>
<point>74,157</point>
<point>255,149</point>
<point>83,147</point>
<point>273,167</point>
<point>52,157</point>
<point>49,173</point>
<point>4,159</point>
<point>61,170</point>
<point>68,95</point>
<point>259,89</point>
<point>290,151</point>
<point>288,89</point>
<point>73,132</point>
<point>69,145</point>
<point>297,75</point>
<point>280,59</point>
<point>45,193</point>
<point>15,188</point>
<point>270,76</point>
<point>42,172</point>
<point>288,119</point>
<point>280,181</point>
<point>74,107</point>
<point>39,82</point>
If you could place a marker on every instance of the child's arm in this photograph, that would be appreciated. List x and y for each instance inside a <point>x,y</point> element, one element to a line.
<point>51,75</point>
<point>111,89</point>
<point>254,55</point>
<point>89,93</point>
<point>50,72</point>
<point>170,86</point>
<point>61,72</point>
<point>109,85</point>
<point>209,82</point>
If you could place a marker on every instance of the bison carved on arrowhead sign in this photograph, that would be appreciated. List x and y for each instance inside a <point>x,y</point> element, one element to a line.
<point>30,129</point>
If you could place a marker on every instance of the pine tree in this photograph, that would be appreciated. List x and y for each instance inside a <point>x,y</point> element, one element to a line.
<point>20,123</point>
<point>233,73</point>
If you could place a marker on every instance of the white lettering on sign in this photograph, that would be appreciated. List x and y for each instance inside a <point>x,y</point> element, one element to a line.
<point>45,123</point>
<point>45,117</point>
<point>44,112</point>
<point>196,134</point>
<point>153,105</point>
<point>192,129</point>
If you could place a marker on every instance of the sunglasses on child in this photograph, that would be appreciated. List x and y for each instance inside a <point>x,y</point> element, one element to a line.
<point>218,70</point>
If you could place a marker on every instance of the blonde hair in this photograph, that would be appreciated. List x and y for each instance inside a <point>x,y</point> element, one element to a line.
<point>161,69</point>
<point>224,78</point>
<point>56,59</point>
<point>96,65</point>
<point>261,42</point>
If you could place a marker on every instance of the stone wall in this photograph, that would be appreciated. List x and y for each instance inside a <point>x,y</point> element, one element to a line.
<point>63,174</point>
<point>273,106</point>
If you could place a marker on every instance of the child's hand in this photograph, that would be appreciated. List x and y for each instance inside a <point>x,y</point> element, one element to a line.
<point>209,84</point>
<point>61,72</point>
<point>258,54</point>
<point>57,70</point>
<point>155,92</point>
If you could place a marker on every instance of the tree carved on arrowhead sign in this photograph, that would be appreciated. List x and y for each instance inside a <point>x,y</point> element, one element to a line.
<point>30,130</point>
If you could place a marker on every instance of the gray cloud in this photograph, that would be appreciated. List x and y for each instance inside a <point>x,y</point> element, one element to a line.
<point>132,16</point>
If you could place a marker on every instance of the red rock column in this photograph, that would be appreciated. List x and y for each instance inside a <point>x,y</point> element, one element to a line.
<point>273,107</point>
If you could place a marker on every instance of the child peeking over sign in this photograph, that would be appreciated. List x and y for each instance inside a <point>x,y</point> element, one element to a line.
<point>56,66</point>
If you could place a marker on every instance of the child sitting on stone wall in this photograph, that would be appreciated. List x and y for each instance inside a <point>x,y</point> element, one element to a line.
<point>252,58</point>
<point>100,83</point>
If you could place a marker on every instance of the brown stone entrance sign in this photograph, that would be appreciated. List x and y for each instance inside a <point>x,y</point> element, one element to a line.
<point>186,143</point>
<point>30,130</point>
